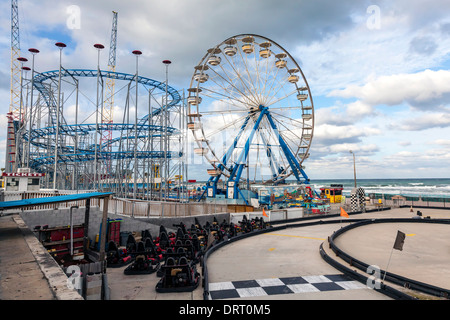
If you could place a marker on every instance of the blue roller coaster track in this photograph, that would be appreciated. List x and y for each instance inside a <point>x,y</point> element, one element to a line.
<point>86,153</point>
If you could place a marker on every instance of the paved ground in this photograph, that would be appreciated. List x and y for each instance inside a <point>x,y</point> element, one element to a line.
<point>277,265</point>
<point>21,277</point>
<point>27,271</point>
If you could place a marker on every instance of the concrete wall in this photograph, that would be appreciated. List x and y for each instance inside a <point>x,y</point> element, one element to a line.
<point>272,215</point>
<point>61,217</point>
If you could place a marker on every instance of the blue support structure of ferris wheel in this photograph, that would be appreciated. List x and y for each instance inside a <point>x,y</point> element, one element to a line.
<point>212,182</point>
<point>233,190</point>
<point>295,166</point>
<point>270,155</point>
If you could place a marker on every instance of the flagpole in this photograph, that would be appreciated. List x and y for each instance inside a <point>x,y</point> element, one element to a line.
<point>398,244</point>
<point>385,271</point>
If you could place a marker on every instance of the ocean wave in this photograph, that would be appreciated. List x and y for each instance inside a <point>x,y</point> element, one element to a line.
<point>406,187</point>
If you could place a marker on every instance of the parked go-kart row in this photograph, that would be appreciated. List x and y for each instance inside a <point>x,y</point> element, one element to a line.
<point>173,256</point>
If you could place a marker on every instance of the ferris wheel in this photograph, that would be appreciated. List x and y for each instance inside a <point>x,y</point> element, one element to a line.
<point>251,113</point>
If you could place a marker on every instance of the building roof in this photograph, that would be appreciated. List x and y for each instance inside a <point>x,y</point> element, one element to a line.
<point>49,200</point>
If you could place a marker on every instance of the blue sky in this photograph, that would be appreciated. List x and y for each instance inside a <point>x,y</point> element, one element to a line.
<point>378,70</point>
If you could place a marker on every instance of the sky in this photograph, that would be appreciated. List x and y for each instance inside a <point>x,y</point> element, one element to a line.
<point>378,70</point>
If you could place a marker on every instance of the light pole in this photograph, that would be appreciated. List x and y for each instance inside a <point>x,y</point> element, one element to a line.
<point>137,53</point>
<point>33,51</point>
<point>166,142</point>
<point>61,46</point>
<point>99,47</point>
<point>354,166</point>
<point>19,131</point>
<point>23,127</point>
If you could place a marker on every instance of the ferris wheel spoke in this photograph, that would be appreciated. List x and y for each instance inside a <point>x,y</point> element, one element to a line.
<point>228,89</point>
<point>239,75</point>
<point>225,98</point>
<point>261,75</point>
<point>231,83</point>
<point>273,81</point>
<point>300,123</point>
<point>222,112</point>
<point>275,90</point>
<point>289,131</point>
<point>268,75</point>
<point>226,126</point>
<point>245,65</point>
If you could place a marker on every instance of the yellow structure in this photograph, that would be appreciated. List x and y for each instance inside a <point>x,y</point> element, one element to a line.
<point>333,192</point>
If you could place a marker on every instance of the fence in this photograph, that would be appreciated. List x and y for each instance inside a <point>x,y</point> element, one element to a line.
<point>136,208</point>
<point>419,201</point>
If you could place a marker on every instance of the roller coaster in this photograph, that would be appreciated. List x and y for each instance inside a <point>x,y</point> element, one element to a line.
<point>76,150</point>
<point>57,129</point>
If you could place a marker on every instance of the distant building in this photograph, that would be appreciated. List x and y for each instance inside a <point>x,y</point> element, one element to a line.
<point>23,180</point>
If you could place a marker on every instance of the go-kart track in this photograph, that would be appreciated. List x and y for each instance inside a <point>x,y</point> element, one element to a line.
<point>297,263</point>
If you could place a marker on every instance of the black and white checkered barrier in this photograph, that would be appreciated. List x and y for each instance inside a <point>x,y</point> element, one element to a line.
<point>358,200</point>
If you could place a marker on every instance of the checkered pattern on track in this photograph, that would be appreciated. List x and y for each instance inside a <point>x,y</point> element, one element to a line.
<point>273,286</point>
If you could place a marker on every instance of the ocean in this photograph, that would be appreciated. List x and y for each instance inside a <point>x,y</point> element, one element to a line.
<point>432,188</point>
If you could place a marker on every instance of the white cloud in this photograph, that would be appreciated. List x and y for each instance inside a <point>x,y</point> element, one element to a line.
<point>344,114</point>
<point>404,143</point>
<point>424,121</point>
<point>329,133</point>
<point>442,142</point>
<point>419,88</point>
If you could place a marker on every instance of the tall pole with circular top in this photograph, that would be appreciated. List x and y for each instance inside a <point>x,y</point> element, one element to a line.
<point>137,53</point>
<point>19,131</point>
<point>61,46</point>
<point>24,122</point>
<point>166,139</point>
<point>33,51</point>
<point>99,47</point>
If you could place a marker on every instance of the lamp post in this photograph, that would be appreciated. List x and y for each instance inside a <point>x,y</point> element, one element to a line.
<point>18,137</point>
<point>33,51</point>
<point>99,47</point>
<point>354,166</point>
<point>61,46</point>
<point>23,126</point>
<point>137,53</point>
<point>166,142</point>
